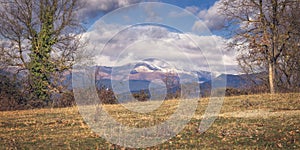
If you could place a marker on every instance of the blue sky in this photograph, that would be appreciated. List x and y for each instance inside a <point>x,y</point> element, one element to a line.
<point>187,33</point>
<point>201,4</point>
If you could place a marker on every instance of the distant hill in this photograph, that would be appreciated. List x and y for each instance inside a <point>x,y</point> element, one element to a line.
<point>230,81</point>
<point>151,74</point>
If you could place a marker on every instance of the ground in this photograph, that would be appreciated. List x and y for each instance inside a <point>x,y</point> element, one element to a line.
<point>245,122</point>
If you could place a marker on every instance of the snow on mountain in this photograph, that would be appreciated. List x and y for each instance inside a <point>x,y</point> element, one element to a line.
<point>143,69</point>
<point>155,65</point>
<point>146,67</point>
<point>151,69</point>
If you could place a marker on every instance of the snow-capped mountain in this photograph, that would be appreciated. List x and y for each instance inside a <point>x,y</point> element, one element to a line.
<point>150,69</point>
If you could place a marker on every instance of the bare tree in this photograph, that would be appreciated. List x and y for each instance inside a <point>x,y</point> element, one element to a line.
<point>42,37</point>
<point>171,81</point>
<point>264,32</point>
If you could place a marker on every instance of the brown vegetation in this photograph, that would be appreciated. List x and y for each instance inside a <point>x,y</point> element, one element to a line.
<point>245,122</point>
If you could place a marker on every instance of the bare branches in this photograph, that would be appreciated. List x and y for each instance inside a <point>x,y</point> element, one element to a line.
<point>42,37</point>
<point>21,19</point>
<point>267,30</point>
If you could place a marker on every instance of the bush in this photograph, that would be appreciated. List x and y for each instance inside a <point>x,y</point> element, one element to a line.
<point>106,96</point>
<point>141,96</point>
<point>235,92</point>
<point>65,99</point>
<point>10,95</point>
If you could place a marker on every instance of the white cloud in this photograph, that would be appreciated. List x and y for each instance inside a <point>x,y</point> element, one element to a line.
<point>151,14</point>
<point>93,7</point>
<point>199,26</point>
<point>183,50</point>
<point>192,9</point>
<point>212,17</point>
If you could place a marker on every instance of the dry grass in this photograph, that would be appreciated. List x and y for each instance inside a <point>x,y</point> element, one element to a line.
<point>245,122</point>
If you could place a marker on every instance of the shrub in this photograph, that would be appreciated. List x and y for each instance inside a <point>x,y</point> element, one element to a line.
<point>106,96</point>
<point>10,95</point>
<point>141,96</point>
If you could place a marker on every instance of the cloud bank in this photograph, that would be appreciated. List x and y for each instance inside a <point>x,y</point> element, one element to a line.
<point>116,45</point>
<point>113,44</point>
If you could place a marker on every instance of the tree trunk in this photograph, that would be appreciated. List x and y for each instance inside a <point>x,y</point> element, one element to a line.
<point>272,77</point>
<point>274,50</point>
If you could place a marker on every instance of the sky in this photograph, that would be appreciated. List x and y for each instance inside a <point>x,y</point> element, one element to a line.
<point>188,34</point>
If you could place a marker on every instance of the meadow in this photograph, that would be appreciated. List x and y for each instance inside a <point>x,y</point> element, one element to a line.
<point>245,122</point>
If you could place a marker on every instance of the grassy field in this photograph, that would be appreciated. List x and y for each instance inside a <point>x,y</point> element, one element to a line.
<point>245,122</point>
